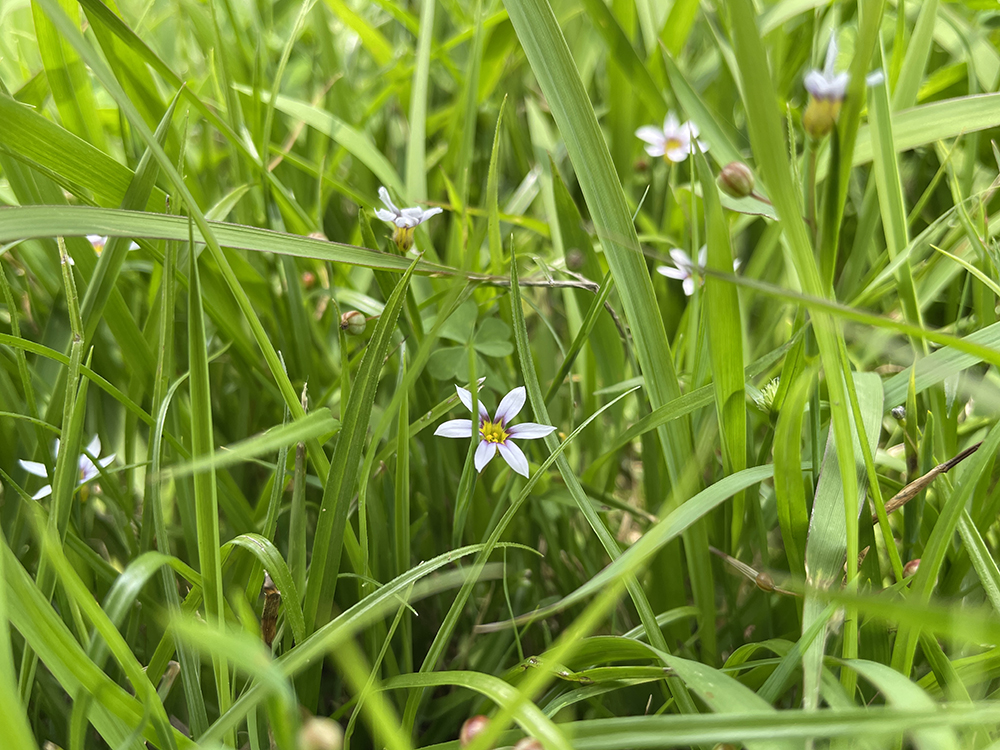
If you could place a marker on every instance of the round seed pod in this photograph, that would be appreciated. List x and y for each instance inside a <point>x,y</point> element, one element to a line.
<point>353,322</point>
<point>472,726</point>
<point>320,733</point>
<point>736,180</point>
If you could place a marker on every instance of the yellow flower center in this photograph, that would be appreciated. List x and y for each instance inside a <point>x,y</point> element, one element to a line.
<point>493,432</point>
<point>403,237</point>
<point>672,143</point>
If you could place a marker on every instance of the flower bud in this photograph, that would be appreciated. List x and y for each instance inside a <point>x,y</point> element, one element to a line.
<point>820,116</point>
<point>320,733</point>
<point>308,279</point>
<point>911,567</point>
<point>353,322</point>
<point>736,180</point>
<point>528,743</point>
<point>472,726</point>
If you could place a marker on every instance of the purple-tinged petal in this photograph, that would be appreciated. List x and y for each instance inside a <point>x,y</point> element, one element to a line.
<point>529,430</point>
<point>484,454</point>
<point>510,405</point>
<point>383,195</point>
<point>514,457</point>
<point>33,467</point>
<point>815,84</point>
<point>455,428</point>
<point>387,216</point>
<point>87,470</point>
<point>44,492</point>
<point>672,273</point>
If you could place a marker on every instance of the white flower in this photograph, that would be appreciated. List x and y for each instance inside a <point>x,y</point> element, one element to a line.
<point>496,434</point>
<point>404,219</point>
<point>685,269</point>
<point>99,242</point>
<point>674,141</point>
<point>85,466</point>
<point>826,84</point>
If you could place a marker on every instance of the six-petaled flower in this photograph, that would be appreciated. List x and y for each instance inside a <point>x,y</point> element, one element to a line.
<point>86,467</point>
<point>404,219</point>
<point>685,269</point>
<point>497,434</point>
<point>674,141</point>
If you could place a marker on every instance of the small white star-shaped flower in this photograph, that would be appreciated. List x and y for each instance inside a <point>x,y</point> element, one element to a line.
<point>673,142</point>
<point>496,435</point>
<point>85,466</point>
<point>685,270</point>
<point>404,219</point>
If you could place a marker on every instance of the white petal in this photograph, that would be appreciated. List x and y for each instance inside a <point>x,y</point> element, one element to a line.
<point>703,256</point>
<point>510,405</point>
<point>33,467</point>
<point>831,55</point>
<point>529,430</point>
<point>106,461</point>
<point>702,145</point>
<point>94,446</point>
<point>455,428</point>
<point>672,273</point>
<point>384,215</point>
<point>383,195</point>
<point>678,154</point>
<point>514,457</point>
<point>655,150</point>
<point>44,492</point>
<point>484,454</point>
<point>133,246</point>
<point>650,134</point>
<point>671,125</point>
<point>736,264</point>
<point>466,398</point>
<point>688,286</point>
<point>838,85</point>
<point>87,470</point>
<point>430,212</point>
<point>815,84</point>
<point>691,128</point>
<point>874,78</point>
<point>681,259</point>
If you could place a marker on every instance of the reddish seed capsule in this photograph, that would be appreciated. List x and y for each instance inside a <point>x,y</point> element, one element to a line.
<point>528,743</point>
<point>472,726</point>
<point>911,567</point>
<point>736,180</point>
